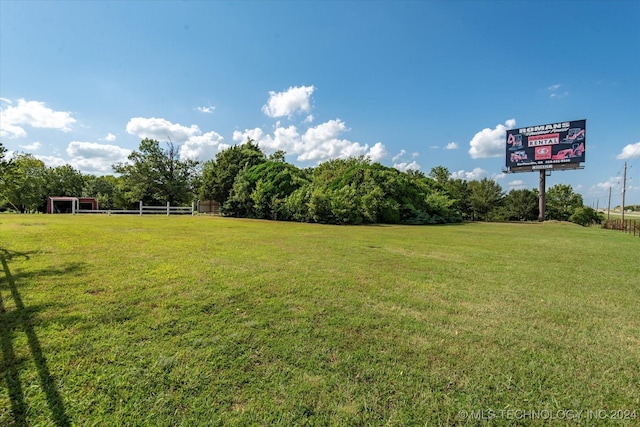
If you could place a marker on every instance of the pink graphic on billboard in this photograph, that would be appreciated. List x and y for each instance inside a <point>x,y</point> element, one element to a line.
<point>543,152</point>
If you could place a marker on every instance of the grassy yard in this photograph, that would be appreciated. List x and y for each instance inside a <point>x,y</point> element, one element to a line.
<point>165,321</point>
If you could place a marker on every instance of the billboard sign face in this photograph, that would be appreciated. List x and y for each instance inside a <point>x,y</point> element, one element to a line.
<point>556,145</point>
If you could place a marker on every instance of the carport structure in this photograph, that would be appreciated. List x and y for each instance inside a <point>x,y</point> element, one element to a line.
<point>71,204</point>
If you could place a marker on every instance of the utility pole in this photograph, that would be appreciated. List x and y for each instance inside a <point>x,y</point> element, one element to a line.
<point>624,187</point>
<point>609,205</point>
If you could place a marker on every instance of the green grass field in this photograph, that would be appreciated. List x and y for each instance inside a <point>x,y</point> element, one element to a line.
<point>165,321</point>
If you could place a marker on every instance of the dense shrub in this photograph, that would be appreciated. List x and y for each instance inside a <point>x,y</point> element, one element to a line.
<point>586,216</point>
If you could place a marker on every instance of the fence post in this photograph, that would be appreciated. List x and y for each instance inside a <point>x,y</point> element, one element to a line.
<point>192,206</point>
<point>140,207</point>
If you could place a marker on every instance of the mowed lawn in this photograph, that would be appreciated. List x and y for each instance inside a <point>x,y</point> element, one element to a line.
<point>166,321</point>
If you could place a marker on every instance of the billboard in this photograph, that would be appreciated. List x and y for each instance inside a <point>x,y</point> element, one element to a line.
<point>553,146</point>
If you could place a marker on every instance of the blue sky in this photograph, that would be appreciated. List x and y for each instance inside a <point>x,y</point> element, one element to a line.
<point>412,84</point>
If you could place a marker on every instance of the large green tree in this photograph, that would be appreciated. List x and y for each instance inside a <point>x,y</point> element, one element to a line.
<point>3,161</point>
<point>521,205</point>
<point>218,175</point>
<point>155,175</point>
<point>456,189</point>
<point>4,170</point>
<point>106,189</point>
<point>586,216</point>
<point>485,197</point>
<point>64,181</point>
<point>562,202</point>
<point>440,174</point>
<point>261,190</point>
<point>24,184</point>
<point>356,191</point>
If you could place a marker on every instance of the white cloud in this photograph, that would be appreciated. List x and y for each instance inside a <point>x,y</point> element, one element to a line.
<point>516,184</point>
<point>317,143</point>
<point>322,143</point>
<point>207,110</point>
<point>474,175</point>
<point>92,157</point>
<point>629,152</point>
<point>11,131</point>
<point>202,147</point>
<point>256,134</point>
<point>34,114</point>
<point>161,129</point>
<point>79,149</point>
<point>400,163</point>
<point>286,139</point>
<point>554,91</point>
<point>378,152</point>
<point>32,147</point>
<point>110,137</point>
<point>193,144</point>
<point>614,181</point>
<point>405,166</point>
<point>87,165</point>
<point>398,156</point>
<point>451,146</point>
<point>53,161</point>
<point>285,104</point>
<point>490,142</point>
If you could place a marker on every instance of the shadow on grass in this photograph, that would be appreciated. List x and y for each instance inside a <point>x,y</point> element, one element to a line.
<point>23,318</point>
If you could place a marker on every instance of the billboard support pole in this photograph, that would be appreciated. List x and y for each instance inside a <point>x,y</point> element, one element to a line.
<point>543,196</point>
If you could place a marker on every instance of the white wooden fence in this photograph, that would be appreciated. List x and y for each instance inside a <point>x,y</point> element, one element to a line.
<point>168,210</point>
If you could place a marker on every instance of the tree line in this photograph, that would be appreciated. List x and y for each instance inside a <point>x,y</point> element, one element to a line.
<point>248,183</point>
